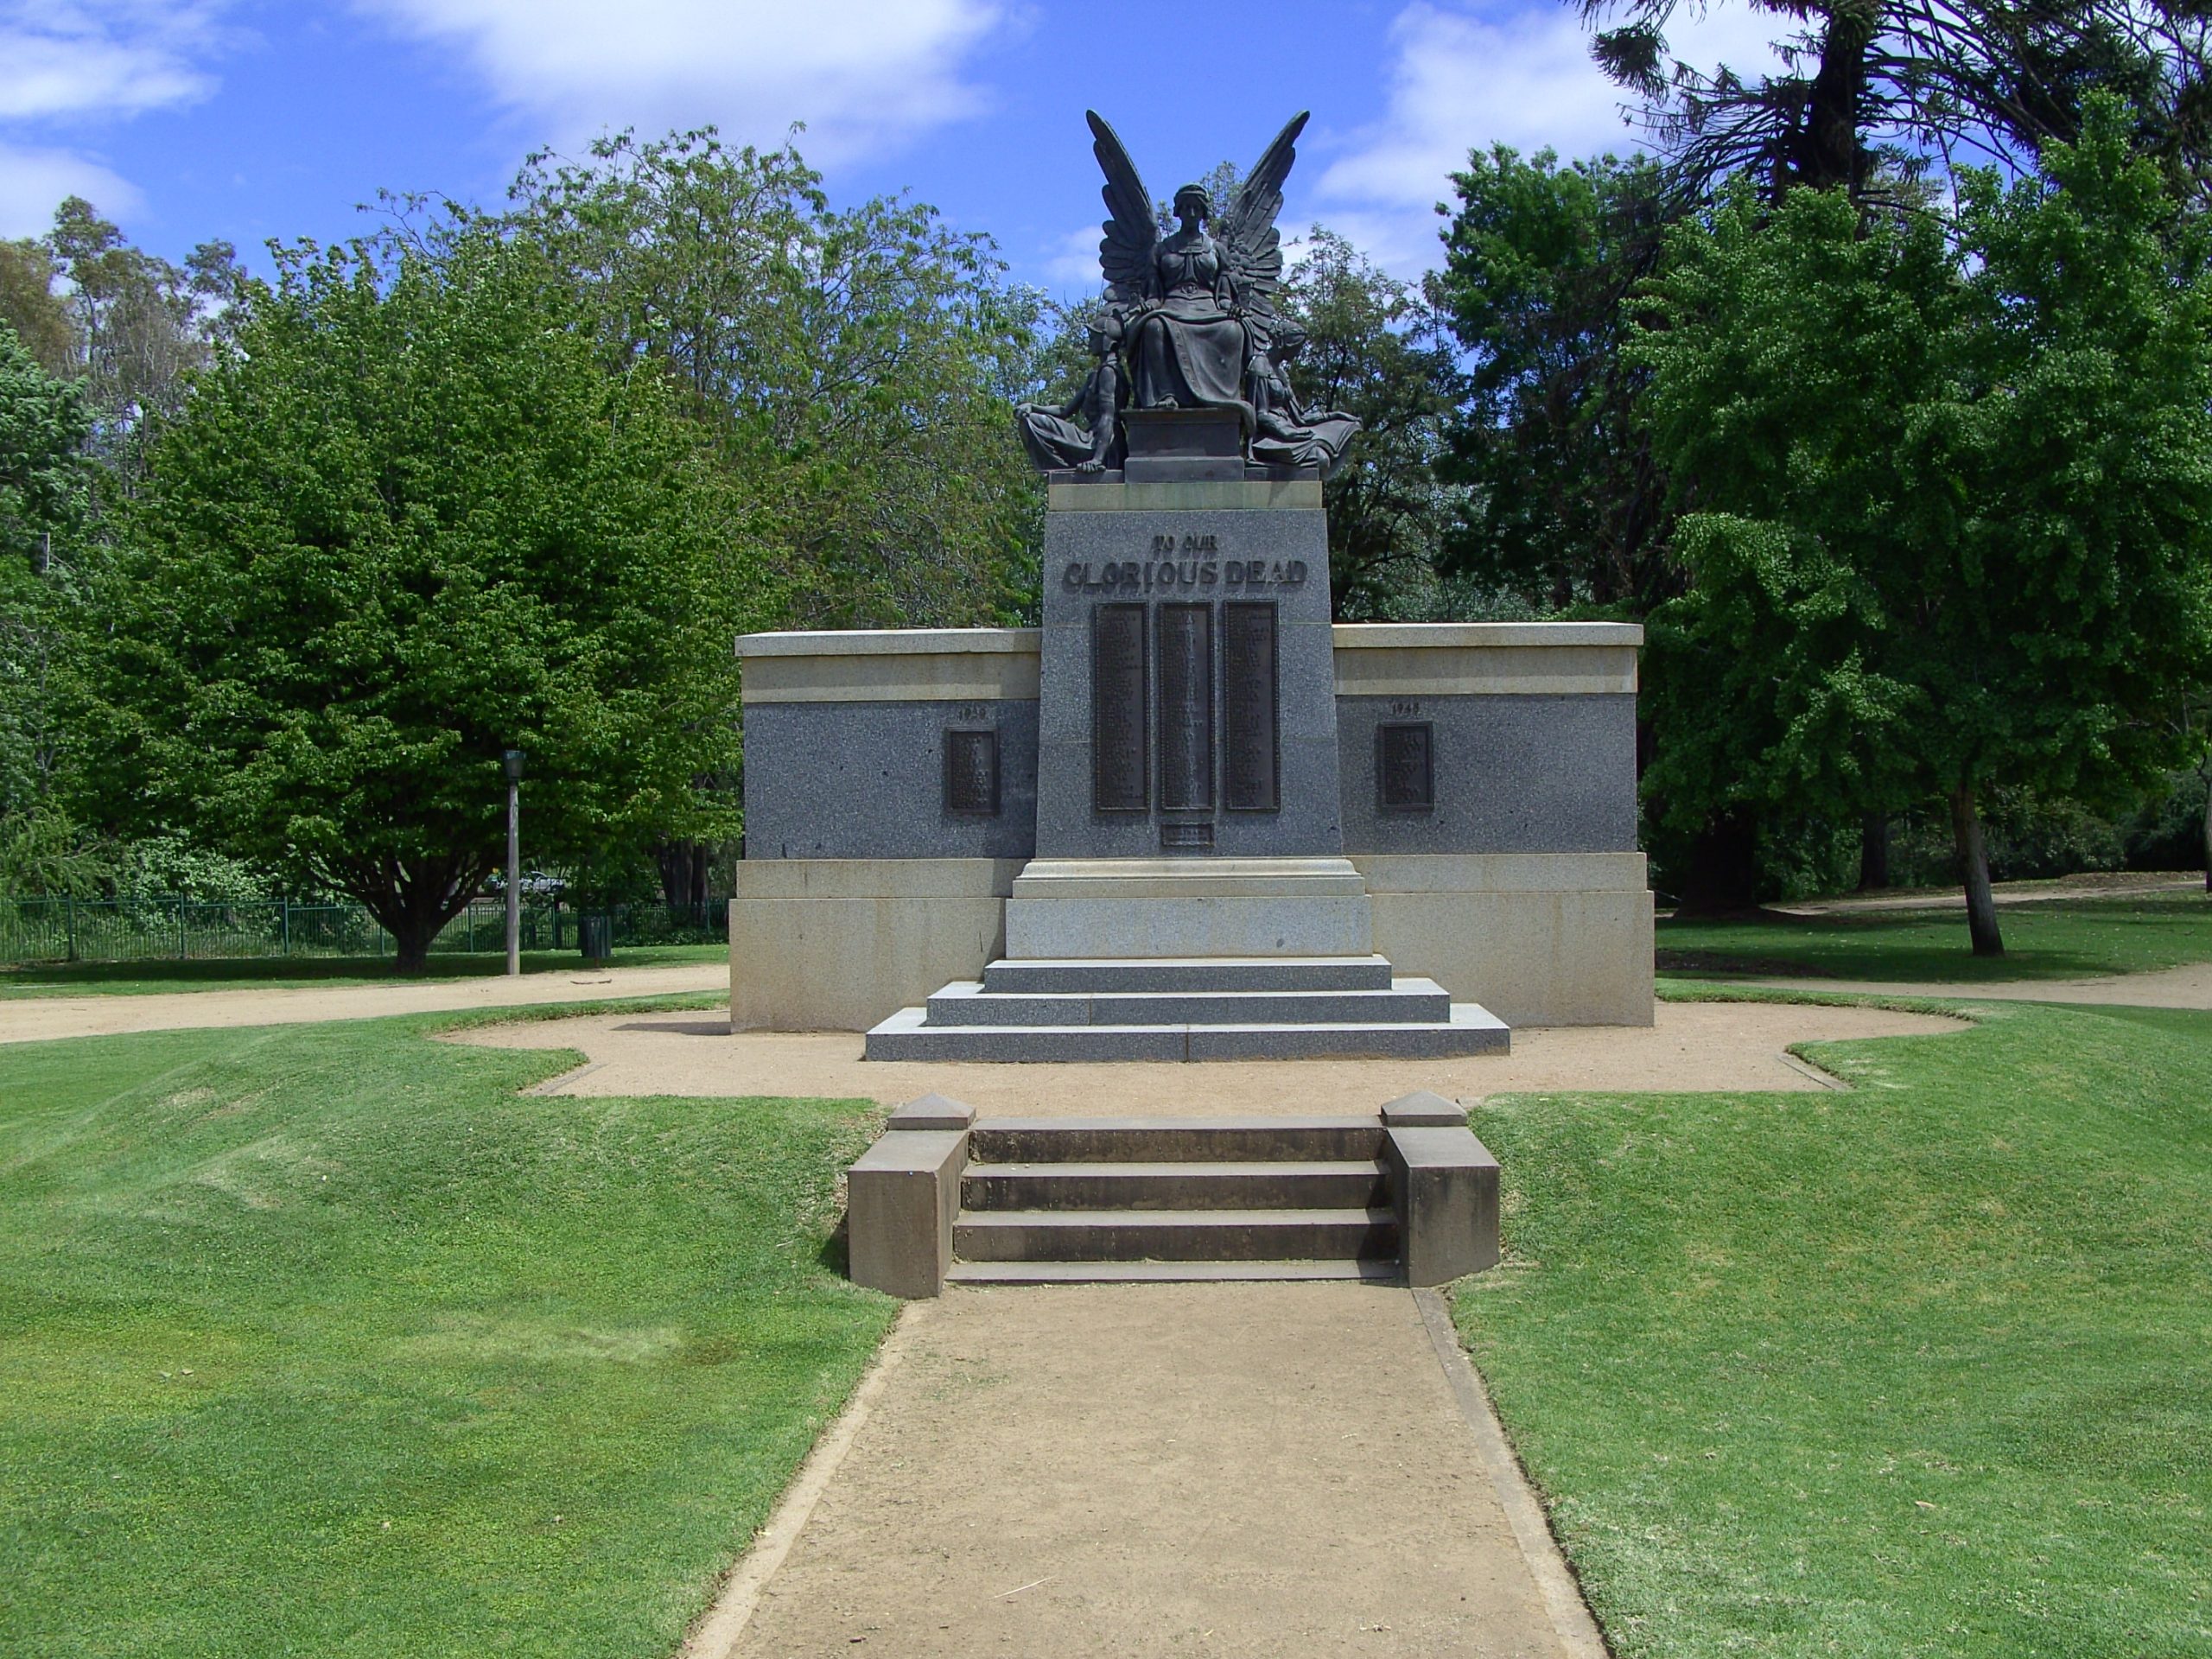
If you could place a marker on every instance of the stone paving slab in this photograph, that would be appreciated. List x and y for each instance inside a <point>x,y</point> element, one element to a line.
<point>1138,1470</point>
<point>1693,1045</point>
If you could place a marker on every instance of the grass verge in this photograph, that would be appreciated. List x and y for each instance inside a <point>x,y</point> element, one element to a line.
<point>2075,939</point>
<point>264,973</point>
<point>1915,1370</point>
<point>321,1338</point>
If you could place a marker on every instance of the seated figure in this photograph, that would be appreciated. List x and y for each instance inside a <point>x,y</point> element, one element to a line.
<point>1285,432</point>
<point>1053,440</point>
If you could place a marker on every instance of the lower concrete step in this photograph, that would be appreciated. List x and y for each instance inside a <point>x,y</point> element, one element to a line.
<point>1403,1002</point>
<point>1065,1185</point>
<point>1103,976</point>
<point>1350,1137</point>
<point>1471,1029</point>
<point>1167,1272</point>
<point>1175,1235</point>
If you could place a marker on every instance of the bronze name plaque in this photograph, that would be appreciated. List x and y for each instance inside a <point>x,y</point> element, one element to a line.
<point>1405,766</point>
<point>971,772</point>
<point>1250,744</point>
<point>1120,761</point>
<point>1186,723</point>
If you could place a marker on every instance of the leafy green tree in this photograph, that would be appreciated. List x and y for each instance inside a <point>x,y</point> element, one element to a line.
<point>1950,498</point>
<point>1375,348</point>
<point>29,305</point>
<point>44,484</point>
<point>407,520</point>
<point>1564,503</point>
<point>855,366</point>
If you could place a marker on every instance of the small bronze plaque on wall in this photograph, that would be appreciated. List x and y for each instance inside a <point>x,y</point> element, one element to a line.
<point>1187,835</point>
<point>1405,766</point>
<point>971,772</point>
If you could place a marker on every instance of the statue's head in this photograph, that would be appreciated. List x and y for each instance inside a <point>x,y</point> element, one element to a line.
<point>1105,333</point>
<point>1194,201</point>
<point>1286,341</point>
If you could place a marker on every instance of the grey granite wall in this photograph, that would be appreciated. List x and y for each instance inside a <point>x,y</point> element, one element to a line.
<point>1511,774</point>
<point>866,780</point>
<point>1213,553</point>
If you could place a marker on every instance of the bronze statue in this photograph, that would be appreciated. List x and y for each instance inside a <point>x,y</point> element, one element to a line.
<point>1054,440</point>
<point>1191,321</point>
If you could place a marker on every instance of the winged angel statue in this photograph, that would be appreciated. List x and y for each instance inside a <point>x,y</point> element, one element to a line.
<point>1190,320</point>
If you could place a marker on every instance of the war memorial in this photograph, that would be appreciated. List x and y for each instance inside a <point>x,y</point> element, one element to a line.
<point>1190,818</point>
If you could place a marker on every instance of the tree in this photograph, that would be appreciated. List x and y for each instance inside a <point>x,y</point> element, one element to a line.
<point>44,483</point>
<point>407,520</point>
<point>855,366</point>
<point>1950,500</point>
<point>138,326</point>
<point>1564,504</point>
<point>30,306</point>
<point>1375,348</point>
<point>1871,90</point>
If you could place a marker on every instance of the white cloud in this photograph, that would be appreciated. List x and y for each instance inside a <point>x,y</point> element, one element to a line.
<point>857,71</point>
<point>1463,77</point>
<point>69,62</point>
<point>34,182</point>
<point>101,57</point>
<point>1073,260</point>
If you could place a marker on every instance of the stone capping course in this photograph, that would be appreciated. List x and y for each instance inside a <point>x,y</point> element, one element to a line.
<point>1424,1109</point>
<point>932,1112</point>
<point>888,642</point>
<point>1486,636</point>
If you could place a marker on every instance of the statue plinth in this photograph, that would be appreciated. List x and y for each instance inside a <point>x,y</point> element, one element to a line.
<point>1176,446</point>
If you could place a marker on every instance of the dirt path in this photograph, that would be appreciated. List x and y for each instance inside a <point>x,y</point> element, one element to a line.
<point>1695,1045</point>
<point>2189,986</point>
<point>2115,884</point>
<point>28,1020</point>
<point>1149,1470</point>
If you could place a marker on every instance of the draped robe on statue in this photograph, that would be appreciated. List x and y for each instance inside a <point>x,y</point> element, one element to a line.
<point>1188,350</point>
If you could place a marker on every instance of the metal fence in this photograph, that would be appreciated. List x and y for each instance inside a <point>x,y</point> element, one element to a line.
<point>178,930</point>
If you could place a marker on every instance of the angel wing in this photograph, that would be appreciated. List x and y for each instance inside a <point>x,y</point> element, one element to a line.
<point>1251,246</point>
<point>1132,231</point>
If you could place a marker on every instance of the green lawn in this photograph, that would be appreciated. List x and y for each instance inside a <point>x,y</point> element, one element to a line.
<point>320,1339</point>
<point>2053,939</point>
<point>1922,1368</point>
<point>265,972</point>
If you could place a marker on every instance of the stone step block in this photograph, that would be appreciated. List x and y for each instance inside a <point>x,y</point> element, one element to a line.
<point>1077,976</point>
<point>907,1036</point>
<point>1175,1236</point>
<point>1405,1001</point>
<point>1339,1138</point>
<point>1169,1272</point>
<point>1068,1185</point>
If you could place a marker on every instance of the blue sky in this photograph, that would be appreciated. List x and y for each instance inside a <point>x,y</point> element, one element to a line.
<point>247,119</point>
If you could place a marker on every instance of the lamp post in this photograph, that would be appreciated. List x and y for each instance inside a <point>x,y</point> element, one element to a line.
<point>514,758</point>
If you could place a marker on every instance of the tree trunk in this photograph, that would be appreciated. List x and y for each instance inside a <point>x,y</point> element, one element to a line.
<point>413,901</point>
<point>1974,870</point>
<point>2208,831</point>
<point>1873,851</point>
<point>1722,878</point>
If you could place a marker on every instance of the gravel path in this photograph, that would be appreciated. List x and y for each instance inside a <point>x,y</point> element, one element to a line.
<point>1694,1046</point>
<point>1140,1470</point>
<point>2189,986</point>
<point>28,1020</point>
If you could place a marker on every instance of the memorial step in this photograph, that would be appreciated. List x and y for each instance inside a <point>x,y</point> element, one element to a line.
<point>1175,1235</point>
<point>1331,1138</point>
<point>1068,1184</point>
<point>1403,1002</point>
<point>1366,1269</point>
<point>1095,976</point>
<point>1469,1029</point>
